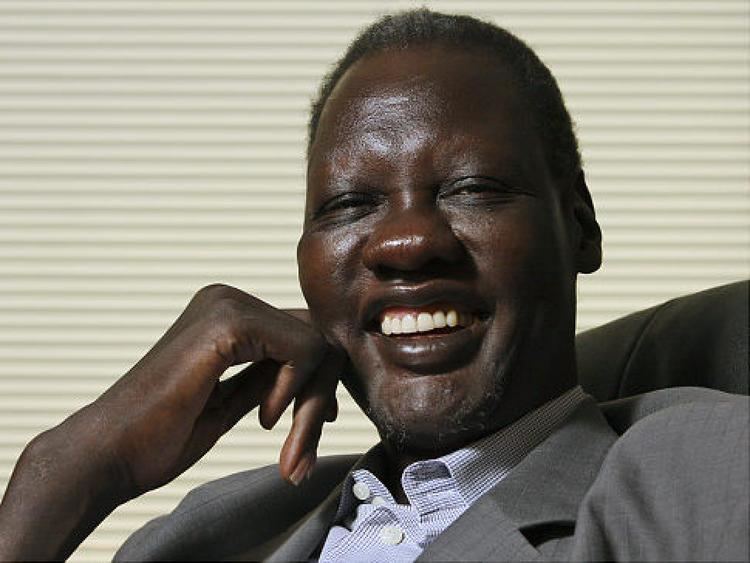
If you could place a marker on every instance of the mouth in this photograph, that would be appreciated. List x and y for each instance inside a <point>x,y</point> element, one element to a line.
<point>427,331</point>
<point>434,320</point>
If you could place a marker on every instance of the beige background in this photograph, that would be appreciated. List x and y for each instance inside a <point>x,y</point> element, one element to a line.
<point>150,147</point>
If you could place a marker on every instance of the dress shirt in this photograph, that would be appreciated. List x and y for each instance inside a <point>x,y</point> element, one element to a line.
<point>371,526</point>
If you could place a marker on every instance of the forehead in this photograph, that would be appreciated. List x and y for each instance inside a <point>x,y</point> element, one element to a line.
<point>426,99</point>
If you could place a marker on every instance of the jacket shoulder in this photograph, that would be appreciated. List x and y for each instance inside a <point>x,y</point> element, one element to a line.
<point>675,485</point>
<point>625,412</point>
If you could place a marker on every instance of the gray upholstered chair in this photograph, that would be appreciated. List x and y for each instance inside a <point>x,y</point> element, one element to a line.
<point>698,340</point>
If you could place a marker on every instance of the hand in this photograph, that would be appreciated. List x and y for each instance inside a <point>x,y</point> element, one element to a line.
<point>167,412</point>
<point>171,408</point>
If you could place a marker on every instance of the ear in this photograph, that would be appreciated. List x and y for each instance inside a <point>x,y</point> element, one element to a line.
<point>587,236</point>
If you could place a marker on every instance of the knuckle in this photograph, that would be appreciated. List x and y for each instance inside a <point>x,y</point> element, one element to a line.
<point>213,292</point>
<point>39,447</point>
<point>223,312</point>
<point>224,337</point>
<point>220,323</point>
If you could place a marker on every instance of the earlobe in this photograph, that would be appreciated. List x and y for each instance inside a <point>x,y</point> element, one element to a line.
<point>588,239</point>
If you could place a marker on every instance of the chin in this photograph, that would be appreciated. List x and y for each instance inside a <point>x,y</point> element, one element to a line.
<point>437,414</point>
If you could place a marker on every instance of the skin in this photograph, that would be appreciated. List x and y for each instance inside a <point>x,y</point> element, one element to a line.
<point>427,185</point>
<point>166,413</point>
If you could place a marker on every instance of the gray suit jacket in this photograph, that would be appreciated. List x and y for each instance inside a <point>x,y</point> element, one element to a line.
<point>660,476</point>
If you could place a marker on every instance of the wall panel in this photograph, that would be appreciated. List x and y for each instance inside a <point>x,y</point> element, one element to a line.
<point>150,147</point>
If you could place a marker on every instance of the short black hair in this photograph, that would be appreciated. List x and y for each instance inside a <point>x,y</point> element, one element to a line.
<point>424,27</point>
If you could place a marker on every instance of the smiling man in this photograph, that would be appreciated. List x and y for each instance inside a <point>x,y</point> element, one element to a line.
<point>447,219</point>
<point>453,244</point>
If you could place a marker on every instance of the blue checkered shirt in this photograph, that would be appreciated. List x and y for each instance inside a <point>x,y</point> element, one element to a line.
<point>371,526</point>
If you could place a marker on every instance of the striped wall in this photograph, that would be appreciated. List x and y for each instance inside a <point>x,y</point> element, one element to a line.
<point>148,148</point>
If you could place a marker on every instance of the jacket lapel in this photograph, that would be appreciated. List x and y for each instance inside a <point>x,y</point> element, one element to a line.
<point>543,491</point>
<point>303,538</point>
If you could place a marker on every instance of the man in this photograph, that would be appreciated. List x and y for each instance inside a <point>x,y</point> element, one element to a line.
<point>447,218</point>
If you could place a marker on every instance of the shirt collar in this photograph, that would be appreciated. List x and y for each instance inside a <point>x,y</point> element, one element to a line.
<point>481,465</point>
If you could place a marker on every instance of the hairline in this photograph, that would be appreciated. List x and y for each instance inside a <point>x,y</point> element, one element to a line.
<point>493,56</point>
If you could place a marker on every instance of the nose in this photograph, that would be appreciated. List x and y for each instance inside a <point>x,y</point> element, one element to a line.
<point>414,240</point>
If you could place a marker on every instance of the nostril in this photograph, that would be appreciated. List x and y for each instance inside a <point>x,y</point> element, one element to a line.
<point>406,252</point>
<point>431,270</point>
<point>411,245</point>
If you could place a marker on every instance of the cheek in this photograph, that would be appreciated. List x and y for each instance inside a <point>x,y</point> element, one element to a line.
<point>501,244</point>
<point>326,263</point>
<point>514,247</point>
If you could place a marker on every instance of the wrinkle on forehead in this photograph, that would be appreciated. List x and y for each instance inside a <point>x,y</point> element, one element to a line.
<point>396,119</point>
<point>451,108</point>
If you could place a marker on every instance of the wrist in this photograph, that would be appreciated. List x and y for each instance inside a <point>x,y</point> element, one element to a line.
<point>61,489</point>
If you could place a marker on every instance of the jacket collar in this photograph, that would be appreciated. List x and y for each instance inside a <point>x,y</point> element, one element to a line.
<point>545,489</point>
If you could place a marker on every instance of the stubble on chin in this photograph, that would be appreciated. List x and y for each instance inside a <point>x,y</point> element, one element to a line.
<point>459,427</point>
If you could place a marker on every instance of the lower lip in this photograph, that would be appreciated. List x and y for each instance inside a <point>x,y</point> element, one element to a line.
<point>431,353</point>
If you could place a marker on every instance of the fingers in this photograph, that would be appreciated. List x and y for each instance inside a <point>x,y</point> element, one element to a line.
<point>248,329</point>
<point>224,326</point>
<point>311,409</point>
<point>171,407</point>
<point>273,387</point>
<point>230,400</point>
<point>332,412</point>
<point>244,391</point>
<point>305,368</point>
<point>287,382</point>
<point>333,407</point>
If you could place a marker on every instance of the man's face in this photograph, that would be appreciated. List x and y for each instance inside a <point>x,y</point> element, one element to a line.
<point>429,202</point>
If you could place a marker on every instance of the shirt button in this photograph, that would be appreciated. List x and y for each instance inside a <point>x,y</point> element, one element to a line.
<point>361,491</point>
<point>378,501</point>
<point>391,535</point>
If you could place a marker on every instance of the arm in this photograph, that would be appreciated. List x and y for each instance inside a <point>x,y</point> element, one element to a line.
<point>166,413</point>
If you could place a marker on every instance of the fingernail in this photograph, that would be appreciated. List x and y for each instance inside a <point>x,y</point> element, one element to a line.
<point>304,466</point>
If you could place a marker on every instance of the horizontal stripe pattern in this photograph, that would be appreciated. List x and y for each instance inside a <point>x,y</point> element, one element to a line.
<point>148,148</point>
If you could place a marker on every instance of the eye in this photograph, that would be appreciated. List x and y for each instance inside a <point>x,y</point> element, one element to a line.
<point>480,190</point>
<point>348,204</point>
<point>474,189</point>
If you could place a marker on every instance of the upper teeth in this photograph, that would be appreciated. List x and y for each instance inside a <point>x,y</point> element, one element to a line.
<point>422,322</point>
